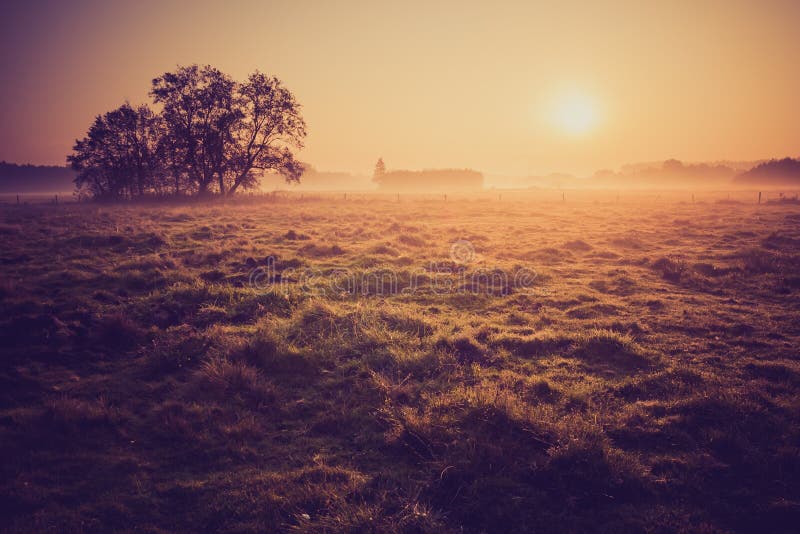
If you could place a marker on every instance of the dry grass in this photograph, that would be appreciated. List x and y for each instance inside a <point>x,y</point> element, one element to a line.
<point>645,378</point>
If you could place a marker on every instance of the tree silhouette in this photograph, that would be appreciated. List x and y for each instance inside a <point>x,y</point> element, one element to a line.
<point>380,170</point>
<point>120,157</point>
<point>784,171</point>
<point>213,135</point>
<point>269,124</point>
<point>198,109</point>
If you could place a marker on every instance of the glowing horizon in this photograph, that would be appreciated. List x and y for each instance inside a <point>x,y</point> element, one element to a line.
<point>515,90</point>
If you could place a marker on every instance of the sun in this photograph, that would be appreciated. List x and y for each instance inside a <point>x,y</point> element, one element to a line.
<point>574,113</point>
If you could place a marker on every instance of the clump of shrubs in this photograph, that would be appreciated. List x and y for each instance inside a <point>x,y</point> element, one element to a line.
<point>221,378</point>
<point>672,269</point>
<point>117,331</point>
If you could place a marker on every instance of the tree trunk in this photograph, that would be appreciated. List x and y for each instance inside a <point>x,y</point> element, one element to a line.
<point>221,181</point>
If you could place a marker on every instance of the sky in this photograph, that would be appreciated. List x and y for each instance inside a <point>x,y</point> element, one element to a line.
<point>514,87</point>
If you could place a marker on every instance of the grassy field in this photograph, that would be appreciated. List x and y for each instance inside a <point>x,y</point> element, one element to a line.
<point>374,365</point>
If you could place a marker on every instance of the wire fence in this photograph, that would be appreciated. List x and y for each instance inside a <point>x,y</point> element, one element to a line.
<point>582,196</point>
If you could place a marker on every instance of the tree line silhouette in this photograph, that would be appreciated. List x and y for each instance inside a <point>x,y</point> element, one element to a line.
<point>212,136</point>
<point>784,171</point>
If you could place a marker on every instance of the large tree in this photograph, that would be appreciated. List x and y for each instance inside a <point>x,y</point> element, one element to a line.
<point>223,133</point>
<point>213,134</point>
<point>269,126</point>
<point>199,111</point>
<point>120,156</point>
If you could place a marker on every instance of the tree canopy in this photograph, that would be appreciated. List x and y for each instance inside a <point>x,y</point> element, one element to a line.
<point>212,135</point>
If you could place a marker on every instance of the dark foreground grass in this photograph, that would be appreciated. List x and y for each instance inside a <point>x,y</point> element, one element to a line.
<point>645,378</point>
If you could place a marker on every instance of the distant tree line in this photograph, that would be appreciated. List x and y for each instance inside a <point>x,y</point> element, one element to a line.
<point>211,135</point>
<point>428,180</point>
<point>35,178</point>
<point>784,171</point>
<point>669,172</point>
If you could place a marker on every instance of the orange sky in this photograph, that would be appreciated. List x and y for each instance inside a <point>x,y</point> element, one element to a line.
<point>431,84</point>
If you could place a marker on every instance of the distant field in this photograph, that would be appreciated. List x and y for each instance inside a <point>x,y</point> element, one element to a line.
<point>290,192</point>
<point>500,362</point>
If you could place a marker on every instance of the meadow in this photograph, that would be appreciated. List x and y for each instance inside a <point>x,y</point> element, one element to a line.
<point>372,364</point>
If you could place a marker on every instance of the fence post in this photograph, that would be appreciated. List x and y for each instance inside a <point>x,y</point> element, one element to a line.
<point>563,196</point>
<point>759,197</point>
